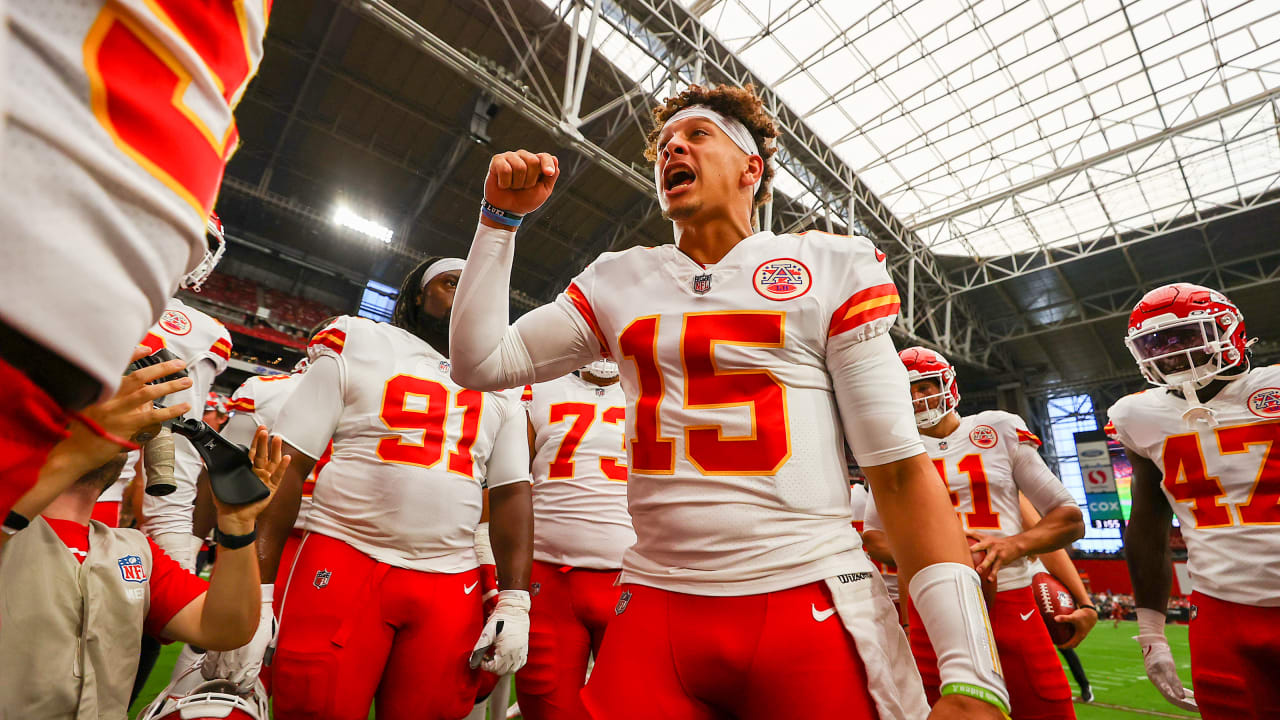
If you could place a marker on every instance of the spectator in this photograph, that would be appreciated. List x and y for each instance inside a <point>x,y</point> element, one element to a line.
<point>54,615</point>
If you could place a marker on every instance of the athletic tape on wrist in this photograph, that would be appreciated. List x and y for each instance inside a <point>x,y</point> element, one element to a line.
<point>977,693</point>
<point>484,549</point>
<point>948,597</point>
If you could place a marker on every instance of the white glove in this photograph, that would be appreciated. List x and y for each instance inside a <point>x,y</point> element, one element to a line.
<point>241,666</point>
<point>507,632</point>
<point>1158,659</point>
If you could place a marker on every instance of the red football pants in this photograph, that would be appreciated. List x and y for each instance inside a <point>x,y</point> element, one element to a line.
<point>355,630</point>
<point>1235,659</point>
<point>689,657</point>
<point>31,423</point>
<point>567,621</point>
<point>1038,688</point>
<point>107,512</point>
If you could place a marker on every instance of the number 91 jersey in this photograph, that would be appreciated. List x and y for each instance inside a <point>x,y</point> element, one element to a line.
<point>411,449</point>
<point>119,128</point>
<point>737,476</point>
<point>1223,482</point>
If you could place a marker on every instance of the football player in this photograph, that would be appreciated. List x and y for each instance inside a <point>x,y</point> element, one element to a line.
<point>118,127</point>
<point>743,355</point>
<point>986,459</point>
<point>581,529</point>
<point>383,601</point>
<point>1205,446</point>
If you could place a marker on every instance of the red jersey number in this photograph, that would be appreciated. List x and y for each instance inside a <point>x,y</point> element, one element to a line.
<point>584,415</point>
<point>150,104</point>
<point>398,417</point>
<point>1187,479</point>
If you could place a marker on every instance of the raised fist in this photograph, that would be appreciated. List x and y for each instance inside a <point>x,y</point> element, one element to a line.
<point>520,181</point>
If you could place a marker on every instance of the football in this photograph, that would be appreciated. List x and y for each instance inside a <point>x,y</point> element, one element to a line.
<point>1053,599</point>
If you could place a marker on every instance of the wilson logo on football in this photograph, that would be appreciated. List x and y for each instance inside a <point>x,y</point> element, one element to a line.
<point>984,436</point>
<point>782,279</point>
<point>1265,403</point>
<point>175,323</point>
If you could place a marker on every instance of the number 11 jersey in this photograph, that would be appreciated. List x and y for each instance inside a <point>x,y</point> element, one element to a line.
<point>737,468</point>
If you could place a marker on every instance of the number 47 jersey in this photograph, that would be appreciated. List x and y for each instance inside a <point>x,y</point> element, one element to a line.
<point>1223,482</point>
<point>411,449</point>
<point>737,477</point>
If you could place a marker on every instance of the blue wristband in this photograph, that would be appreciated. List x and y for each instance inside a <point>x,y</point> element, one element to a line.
<point>500,216</point>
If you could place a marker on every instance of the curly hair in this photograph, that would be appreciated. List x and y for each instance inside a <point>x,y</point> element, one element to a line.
<point>408,302</point>
<point>737,102</point>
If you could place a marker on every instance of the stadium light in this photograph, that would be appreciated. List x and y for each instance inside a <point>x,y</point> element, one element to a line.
<point>344,217</point>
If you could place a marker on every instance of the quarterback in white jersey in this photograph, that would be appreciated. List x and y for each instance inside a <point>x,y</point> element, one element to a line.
<point>581,530</point>
<point>986,460</point>
<point>1205,446</point>
<point>205,345</point>
<point>119,126</point>
<point>389,559</point>
<point>743,355</point>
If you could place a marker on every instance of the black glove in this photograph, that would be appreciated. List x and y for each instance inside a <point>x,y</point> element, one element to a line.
<point>231,475</point>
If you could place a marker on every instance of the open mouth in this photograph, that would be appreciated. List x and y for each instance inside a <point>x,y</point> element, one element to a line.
<point>677,176</point>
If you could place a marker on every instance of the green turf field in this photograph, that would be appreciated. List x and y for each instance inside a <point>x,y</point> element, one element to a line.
<point>1110,656</point>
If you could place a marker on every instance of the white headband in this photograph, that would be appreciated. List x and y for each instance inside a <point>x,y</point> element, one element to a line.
<point>732,127</point>
<point>441,266</point>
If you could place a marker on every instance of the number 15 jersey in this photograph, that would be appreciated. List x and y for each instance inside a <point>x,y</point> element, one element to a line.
<point>737,468</point>
<point>411,449</point>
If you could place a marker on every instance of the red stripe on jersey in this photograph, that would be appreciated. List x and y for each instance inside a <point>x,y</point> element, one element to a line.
<point>333,338</point>
<point>527,395</point>
<point>152,342</point>
<point>863,307</point>
<point>241,405</point>
<point>222,348</point>
<point>584,308</point>
<point>1028,437</point>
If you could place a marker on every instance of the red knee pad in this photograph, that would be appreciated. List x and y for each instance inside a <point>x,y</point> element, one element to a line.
<point>31,423</point>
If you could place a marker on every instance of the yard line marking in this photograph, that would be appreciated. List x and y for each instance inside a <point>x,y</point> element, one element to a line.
<point>1140,711</point>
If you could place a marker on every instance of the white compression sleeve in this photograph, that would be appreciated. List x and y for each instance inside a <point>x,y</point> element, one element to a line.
<point>311,413</point>
<point>1034,478</point>
<point>948,597</point>
<point>509,458</point>
<point>874,399</point>
<point>489,354</point>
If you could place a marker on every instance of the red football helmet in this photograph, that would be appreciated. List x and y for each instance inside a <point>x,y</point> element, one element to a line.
<point>925,364</point>
<point>215,403</point>
<point>191,697</point>
<point>216,246</point>
<point>1184,333</point>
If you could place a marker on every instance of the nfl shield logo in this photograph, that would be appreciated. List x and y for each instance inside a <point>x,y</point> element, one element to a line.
<point>534,588</point>
<point>942,445</point>
<point>322,578</point>
<point>132,570</point>
<point>702,284</point>
<point>444,366</point>
<point>1195,610</point>
<point>622,602</point>
<point>599,392</point>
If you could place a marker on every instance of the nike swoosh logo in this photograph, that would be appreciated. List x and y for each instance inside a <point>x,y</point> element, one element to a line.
<point>821,615</point>
<point>468,588</point>
<point>1029,614</point>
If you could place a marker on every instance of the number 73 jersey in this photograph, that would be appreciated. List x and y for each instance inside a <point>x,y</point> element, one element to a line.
<point>737,477</point>
<point>411,449</point>
<point>1223,482</point>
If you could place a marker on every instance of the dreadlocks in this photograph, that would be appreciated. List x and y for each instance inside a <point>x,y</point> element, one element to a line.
<point>408,314</point>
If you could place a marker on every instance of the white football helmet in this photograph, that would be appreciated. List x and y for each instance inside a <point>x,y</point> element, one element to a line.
<point>216,246</point>
<point>603,369</point>
<point>191,697</point>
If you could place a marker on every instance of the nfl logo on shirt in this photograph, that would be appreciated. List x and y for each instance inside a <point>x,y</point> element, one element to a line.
<point>702,284</point>
<point>444,366</point>
<point>132,570</point>
<point>599,392</point>
<point>322,579</point>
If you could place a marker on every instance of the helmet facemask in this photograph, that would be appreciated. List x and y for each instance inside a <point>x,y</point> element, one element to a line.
<point>937,405</point>
<point>216,245</point>
<point>603,369</point>
<point>1175,352</point>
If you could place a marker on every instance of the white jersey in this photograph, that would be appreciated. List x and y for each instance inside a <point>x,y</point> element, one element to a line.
<point>411,450</point>
<point>205,345</point>
<point>119,126</point>
<point>579,473</point>
<point>858,497</point>
<point>263,397</point>
<point>1223,482</point>
<point>737,482</point>
<point>980,464</point>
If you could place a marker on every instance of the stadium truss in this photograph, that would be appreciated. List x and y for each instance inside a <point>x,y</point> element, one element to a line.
<point>991,139</point>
